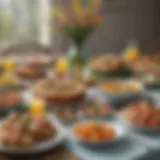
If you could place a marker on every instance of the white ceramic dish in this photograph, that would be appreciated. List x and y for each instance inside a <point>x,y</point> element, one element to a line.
<point>120,95</point>
<point>142,130</point>
<point>37,148</point>
<point>120,135</point>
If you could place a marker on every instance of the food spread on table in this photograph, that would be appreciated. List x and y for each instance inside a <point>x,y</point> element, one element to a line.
<point>34,127</point>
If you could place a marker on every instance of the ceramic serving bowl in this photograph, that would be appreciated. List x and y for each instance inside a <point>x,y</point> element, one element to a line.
<point>119,137</point>
<point>96,111</point>
<point>141,117</point>
<point>112,96</point>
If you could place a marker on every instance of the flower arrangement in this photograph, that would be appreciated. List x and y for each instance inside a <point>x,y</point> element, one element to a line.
<point>79,13</point>
<point>77,22</point>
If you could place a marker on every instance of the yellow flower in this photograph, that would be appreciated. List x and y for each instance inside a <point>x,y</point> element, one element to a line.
<point>77,8</point>
<point>60,13</point>
<point>62,65</point>
<point>95,5</point>
<point>9,65</point>
<point>132,54</point>
<point>37,108</point>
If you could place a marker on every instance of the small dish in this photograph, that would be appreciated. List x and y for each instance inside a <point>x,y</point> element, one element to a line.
<point>142,117</point>
<point>96,110</point>
<point>66,116</point>
<point>124,90</point>
<point>118,131</point>
<point>109,66</point>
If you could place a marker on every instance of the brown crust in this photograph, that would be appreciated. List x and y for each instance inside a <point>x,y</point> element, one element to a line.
<point>107,63</point>
<point>41,90</point>
<point>28,74</point>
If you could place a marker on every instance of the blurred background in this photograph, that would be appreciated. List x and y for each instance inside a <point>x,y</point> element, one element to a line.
<point>28,22</point>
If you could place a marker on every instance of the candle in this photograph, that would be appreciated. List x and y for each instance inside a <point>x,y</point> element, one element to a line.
<point>132,54</point>
<point>37,108</point>
<point>9,65</point>
<point>62,65</point>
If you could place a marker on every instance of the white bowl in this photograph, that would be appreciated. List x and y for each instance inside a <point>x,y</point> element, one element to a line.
<point>123,96</point>
<point>120,135</point>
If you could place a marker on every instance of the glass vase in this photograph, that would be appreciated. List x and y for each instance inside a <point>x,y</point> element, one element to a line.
<point>78,36</point>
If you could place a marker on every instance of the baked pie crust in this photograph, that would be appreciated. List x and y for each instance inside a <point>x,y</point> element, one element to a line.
<point>59,91</point>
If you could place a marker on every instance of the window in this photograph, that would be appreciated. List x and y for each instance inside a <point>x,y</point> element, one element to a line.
<point>24,20</point>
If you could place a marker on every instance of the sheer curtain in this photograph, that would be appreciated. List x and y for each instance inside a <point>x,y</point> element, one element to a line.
<point>26,20</point>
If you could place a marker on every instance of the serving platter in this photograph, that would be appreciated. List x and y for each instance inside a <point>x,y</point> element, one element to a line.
<point>40,147</point>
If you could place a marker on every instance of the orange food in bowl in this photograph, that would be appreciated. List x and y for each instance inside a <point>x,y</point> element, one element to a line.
<point>95,132</point>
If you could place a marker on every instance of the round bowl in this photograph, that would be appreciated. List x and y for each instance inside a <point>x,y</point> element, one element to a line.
<point>135,128</point>
<point>111,97</point>
<point>120,135</point>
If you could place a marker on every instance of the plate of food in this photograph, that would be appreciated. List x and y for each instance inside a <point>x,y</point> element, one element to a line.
<point>121,89</point>
<point>148,72</point>
<point>97,133</point>
<point>11,101</point>
<point>96,110</point>
<point>67,115</point>
<point>9,82</point>
<point>60,92</point>
<point>30,135</point>
<point>30,72</point>
<point>109,66</point>
<point>38,61</point>
<point>143,117</point>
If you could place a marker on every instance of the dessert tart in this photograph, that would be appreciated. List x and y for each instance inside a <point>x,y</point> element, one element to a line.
<point>109,66</point>
<point>38,61</point>
<point>30,73</point>
<point>59,91</point>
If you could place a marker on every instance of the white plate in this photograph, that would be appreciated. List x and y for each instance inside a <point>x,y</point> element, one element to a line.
<point>40,147</point>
